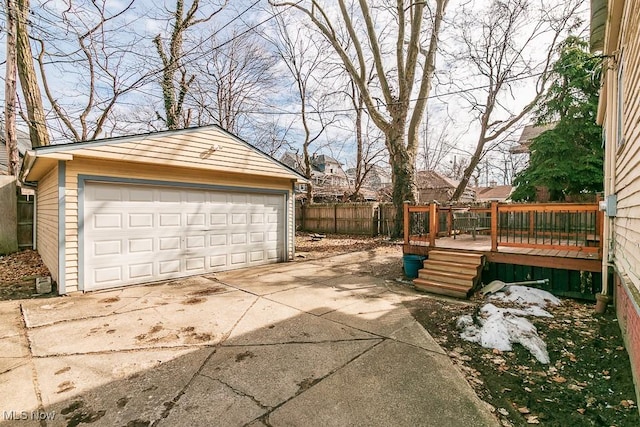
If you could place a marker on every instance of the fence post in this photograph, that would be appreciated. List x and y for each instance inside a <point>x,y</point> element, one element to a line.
<point>406,223</point>
<point>433,224</point>
<point>376,221</point>
<point>494,226</point>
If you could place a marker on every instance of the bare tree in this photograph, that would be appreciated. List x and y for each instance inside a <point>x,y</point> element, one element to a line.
<point>28,80</point>
<point>437,144</point>
<point>104,62</point>
<point>175,76</point>
<point>368,153</point>
<point>10,92</point>
<point>362,35</point>
<point>272,137</point>
<point>499,46</point>
<point>235,80</point>
<point>303,57</point>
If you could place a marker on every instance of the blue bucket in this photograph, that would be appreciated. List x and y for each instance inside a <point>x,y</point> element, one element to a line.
<point>411,264</point>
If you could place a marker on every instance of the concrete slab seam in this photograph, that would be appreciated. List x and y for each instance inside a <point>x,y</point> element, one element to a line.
<point>238,392</point>
<point>265,417</point>
<point>30,357</point>
<point>175,400</point>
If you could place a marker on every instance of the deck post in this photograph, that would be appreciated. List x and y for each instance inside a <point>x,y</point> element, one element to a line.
<point>433,224</point>
<point>494,226</point>
<point>406,223</point>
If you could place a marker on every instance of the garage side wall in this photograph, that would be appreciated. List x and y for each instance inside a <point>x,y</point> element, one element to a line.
<point>157,173</point>
<point>47,221</point>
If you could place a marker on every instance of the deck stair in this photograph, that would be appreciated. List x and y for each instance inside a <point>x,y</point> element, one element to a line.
<point>450,273</point>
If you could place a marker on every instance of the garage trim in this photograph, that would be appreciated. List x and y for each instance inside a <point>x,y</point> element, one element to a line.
<point>83,179</point>
<point>62,240</point>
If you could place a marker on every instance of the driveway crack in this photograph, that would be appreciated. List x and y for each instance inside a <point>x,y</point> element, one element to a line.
<point>30,357</point>
<point>239,392</point>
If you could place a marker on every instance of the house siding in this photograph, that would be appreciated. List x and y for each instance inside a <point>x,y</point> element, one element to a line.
<point>627,181</point>
<point>159,173</point>
<point>47,221</point>
<point>622,168</point>
<point>209,148</point>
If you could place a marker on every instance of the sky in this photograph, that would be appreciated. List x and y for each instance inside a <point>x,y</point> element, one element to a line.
<point>133,31</point>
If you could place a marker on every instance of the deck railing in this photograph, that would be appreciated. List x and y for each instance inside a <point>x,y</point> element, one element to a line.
<point>557,226</point>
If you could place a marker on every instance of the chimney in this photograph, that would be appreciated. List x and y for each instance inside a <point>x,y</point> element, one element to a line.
<point>492,184</point>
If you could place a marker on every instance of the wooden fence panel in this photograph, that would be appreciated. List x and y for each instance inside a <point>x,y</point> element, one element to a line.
<point>387,219</point>
<point>25,222</point>
<point>370,219</point>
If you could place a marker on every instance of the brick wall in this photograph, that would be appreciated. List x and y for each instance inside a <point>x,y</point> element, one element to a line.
<point>627,300</point>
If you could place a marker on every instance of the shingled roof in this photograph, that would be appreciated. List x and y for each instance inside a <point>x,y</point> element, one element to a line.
<point>529,133</point>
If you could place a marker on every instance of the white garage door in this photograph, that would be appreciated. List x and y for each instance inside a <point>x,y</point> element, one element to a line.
<point>141,233</point>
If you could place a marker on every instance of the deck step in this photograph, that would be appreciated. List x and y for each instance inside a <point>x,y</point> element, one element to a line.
<point>452,267</point>
<point>457,291</point>
<point>457,257</point>
<point>450,273</point>
<point>447,277</point>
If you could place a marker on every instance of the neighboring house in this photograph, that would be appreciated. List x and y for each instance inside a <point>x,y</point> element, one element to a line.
<point>128,210</point>
<point>614,35</point>
<point>493,193</point>
<point>376,179</point>
<point>24,144</point>
<point>329,180</point>
<point>433,186</point>
<point>529,133</point>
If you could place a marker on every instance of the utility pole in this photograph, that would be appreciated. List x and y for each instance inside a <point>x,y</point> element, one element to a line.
<point>10,90</point>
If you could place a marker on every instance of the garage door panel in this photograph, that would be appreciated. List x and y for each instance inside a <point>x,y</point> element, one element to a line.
<point>170,196</point>
<point>195,264</point>
<point>107,220</point>
<point>140,220</point>
<point>217,239</point>
<point>239,258</point>
<point>107,247</point>
<point>218,219</point>
<point>170,266</point>
<point>104,275</point>
<point>193,242</point>
<point>169,243</point>
<point>139,246</point>
<point>238,238</point>
<point>170,219</point>
<point>107,193</point>
<point>197,219</point>
<point>137,233</point>
<point>141,271</point>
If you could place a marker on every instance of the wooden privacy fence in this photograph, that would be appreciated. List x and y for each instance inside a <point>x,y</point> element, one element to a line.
<point>25,222</point>
<point>346,218</point>
<point>556,226</point>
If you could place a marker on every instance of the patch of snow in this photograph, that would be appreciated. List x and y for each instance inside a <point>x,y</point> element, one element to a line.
<point>524,295</point>
<point>499,328</point>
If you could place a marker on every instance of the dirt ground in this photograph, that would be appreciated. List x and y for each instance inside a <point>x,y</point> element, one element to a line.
<point>18,272</point>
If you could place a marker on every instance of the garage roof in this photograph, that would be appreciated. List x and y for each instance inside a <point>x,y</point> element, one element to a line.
<point>208,148</point>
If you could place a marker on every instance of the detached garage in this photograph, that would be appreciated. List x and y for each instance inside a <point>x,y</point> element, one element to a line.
<point>130,210</point>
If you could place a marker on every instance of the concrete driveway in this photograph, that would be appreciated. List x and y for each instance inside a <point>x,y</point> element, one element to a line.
<point>297,344</point>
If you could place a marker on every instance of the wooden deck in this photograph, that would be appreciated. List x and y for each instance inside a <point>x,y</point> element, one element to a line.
<point>535,241</point>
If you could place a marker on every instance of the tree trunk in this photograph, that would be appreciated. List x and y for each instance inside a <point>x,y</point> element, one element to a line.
<point>28,79</point>
<point>11,138</point>
<point>402,177</point>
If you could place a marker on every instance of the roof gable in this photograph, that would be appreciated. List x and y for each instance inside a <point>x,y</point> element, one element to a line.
<point>210,148</point>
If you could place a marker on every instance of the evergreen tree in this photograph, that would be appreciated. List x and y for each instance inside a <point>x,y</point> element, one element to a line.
<point>567,159</point>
